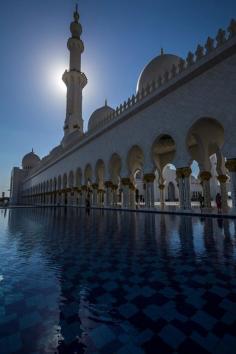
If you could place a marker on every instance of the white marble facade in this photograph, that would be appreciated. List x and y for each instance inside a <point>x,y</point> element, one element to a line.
<point>183,111</point>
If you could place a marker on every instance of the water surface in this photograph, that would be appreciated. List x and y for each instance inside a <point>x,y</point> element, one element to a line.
<point>116,282</point>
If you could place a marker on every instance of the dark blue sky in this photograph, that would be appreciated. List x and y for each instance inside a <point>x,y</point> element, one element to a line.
<point>120,38</point>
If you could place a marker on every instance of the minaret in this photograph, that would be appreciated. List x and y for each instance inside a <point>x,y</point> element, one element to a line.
<point>75,81</point>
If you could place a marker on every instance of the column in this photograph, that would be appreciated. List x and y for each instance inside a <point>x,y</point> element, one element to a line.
<point>114,195</point>
<point>231,166</point>
<point>205,177</point>
<point>108,196</point>
<point>149,192</point>
<point>125,187</point>
<point>162,195</point>
<point>183,177</point>
<point>132,196</point>
<point>223,191</point>
<point>95,194</point>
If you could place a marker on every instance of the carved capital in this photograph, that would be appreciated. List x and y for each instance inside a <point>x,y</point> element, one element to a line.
<point>183,172</point>
<point>84,188</point>
<point>95,186</point>
<point>222,178</point>
<point>114,187</point>
<point>205,176</point>
<point>231,165</point>
<point>161,186</point>
<point>149,177</point>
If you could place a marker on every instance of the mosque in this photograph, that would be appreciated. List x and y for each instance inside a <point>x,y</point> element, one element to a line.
<point>141,152</point>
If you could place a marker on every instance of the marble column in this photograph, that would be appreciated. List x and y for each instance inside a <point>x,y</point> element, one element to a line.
<point>231,166</point>
<point>162,195</point>
<point>223,191</point>
<point>149,193</point>
<point>125,187</point>
<point>205,177</point>
<point>114,195</point>
<point>183,177</point>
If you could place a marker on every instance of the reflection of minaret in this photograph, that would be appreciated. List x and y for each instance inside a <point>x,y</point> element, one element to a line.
<point>75,81</point>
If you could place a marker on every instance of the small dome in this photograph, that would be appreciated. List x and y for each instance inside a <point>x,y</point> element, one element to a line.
<point>99,116</point>
<point>30,160</point>
<point>157,67</point>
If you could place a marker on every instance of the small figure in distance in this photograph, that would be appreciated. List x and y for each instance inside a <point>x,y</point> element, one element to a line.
<point>218,202</point>
<point>201,201</point>
<point>87,205</point>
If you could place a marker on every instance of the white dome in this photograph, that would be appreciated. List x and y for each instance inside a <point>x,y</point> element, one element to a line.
<point>99,116</point>
<point>157,67</point>
<point>30,160</point>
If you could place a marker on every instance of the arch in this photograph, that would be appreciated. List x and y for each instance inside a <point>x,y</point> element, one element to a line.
<point>135,159</point>
<point>100,173</point>
<point>163,151</point>
<point>88,174</point>
<point>115,168</point>
<point>204,139</point>
<point>55,184</point>
<point>71,179</point>
<point>59,184</point>
<point>51,185</point>
<point>78,177</point>
<point>64,181</point>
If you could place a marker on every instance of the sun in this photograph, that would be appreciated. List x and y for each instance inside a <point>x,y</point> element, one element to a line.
<point>56,83</point>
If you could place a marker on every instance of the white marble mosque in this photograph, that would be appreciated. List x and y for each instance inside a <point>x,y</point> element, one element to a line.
<point>141,152</point>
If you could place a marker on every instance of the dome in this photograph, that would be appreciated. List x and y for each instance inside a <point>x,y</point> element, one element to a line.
<point>157,67</point>
<point>30,160</point>
<point>99,116</point>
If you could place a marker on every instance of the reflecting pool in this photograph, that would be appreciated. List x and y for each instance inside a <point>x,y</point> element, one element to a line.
<point>116,282</point>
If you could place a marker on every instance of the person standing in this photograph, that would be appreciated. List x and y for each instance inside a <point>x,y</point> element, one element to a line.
<point>218,202</point>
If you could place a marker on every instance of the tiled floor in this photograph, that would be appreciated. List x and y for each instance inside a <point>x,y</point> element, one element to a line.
<point>116,282</point>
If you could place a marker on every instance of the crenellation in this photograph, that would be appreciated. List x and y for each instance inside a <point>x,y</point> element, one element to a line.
<point>209,46</point>
<point>190,59</point>
<point>221,37</point>
<point>199,52</point>
<point>232,28</point>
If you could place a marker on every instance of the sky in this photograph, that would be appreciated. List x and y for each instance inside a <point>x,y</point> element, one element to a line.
<point>120,38</point>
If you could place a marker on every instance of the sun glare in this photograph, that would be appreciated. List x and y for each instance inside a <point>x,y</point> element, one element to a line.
<point>57,85</point>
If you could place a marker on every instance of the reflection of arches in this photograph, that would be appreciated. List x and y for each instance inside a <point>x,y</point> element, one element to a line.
<point>115,168</point>
<point>135,159</point>
<point>171,192</point>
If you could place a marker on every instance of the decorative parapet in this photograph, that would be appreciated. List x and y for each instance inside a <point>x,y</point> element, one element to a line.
<point>191,59</point>
<point>201,52</point>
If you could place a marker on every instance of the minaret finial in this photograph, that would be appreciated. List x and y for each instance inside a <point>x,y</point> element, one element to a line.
<point>105,102</point>
<point>32,150</point>
<point>162,51</point>
<point>76,13</point>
